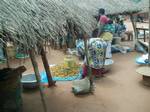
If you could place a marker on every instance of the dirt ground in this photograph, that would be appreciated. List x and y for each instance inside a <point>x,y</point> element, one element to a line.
<point>121,90</point>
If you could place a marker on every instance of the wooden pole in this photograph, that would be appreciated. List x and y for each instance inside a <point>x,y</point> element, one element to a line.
<point>134,28</point>
<point>5,46</point>
<point>47,68</point>
<point>73,34</point>
<point>149,37</point>
<point>37,74</point>
<point>87,60</point>
<point>6,55</point>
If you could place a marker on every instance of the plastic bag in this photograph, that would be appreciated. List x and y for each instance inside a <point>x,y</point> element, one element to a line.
<point>81,86</point>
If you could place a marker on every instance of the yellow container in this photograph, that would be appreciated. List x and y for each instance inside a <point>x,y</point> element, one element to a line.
<point>11,51</point>
<point>69,62</point>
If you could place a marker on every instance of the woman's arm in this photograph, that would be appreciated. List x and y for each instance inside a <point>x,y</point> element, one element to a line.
<point>100,29</point>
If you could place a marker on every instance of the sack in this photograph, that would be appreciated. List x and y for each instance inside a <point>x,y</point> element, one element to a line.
<point>81,86</point>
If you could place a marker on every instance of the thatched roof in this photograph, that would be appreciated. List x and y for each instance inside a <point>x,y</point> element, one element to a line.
<point>36,20</point>
<point>29,19</point>
<point>112,6</point>
<point>33,20</point>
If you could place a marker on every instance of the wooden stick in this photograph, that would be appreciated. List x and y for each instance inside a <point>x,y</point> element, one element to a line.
<point>47,68</point>
<point>134,28</point>
<point>87,59</point>
<point>7,58</point>
<point>37,74</point>
<point>149,37</point>
<point>49,46</point>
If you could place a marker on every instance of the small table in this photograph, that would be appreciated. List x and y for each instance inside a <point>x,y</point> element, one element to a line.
<point>145,72</point>
<point>144,30</point>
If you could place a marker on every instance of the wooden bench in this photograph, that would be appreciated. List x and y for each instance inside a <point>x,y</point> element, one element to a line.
<point>145,44</point>
<point>144,30</point>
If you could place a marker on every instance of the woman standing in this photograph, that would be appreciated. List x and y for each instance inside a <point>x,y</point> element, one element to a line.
<point>106,31</point>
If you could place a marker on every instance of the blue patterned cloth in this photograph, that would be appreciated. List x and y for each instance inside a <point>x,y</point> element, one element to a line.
<point>143,60</point>
<point>97,51</point>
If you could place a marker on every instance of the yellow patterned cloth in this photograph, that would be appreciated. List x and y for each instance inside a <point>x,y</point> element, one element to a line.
<point>106,36</point>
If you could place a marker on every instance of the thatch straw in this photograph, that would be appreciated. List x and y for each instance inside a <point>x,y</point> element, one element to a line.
<point>35,20</point>
<point>31,21</point>
<point>112,6</point>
